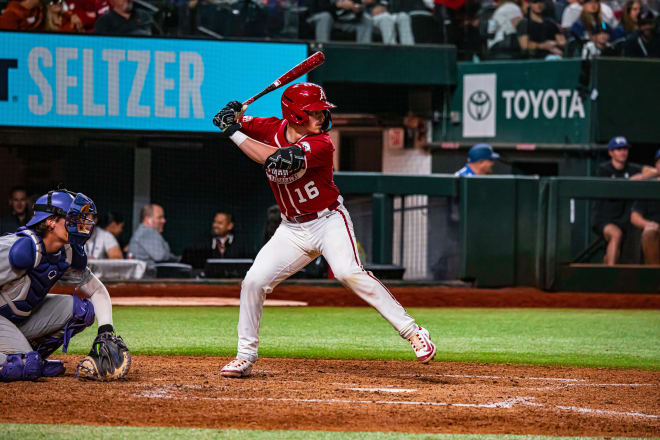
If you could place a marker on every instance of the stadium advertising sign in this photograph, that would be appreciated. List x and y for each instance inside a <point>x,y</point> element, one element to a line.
<point>134,83</point>
<point>521,102</point>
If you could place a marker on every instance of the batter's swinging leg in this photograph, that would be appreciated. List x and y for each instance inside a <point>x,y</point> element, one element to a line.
<point>339,248</point>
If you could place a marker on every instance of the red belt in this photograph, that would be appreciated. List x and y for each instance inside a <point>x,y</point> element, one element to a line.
<point>313,216</point>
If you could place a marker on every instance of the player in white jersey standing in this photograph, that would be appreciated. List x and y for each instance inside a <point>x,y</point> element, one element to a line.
<point>297,155</point>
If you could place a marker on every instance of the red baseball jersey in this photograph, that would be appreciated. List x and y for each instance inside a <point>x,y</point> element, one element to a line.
<point>312,189</point>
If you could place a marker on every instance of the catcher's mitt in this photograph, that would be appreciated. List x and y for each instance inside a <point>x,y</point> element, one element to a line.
<point>108,359</point>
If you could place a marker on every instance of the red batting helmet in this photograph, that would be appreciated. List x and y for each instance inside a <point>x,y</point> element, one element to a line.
<point>301,97</point>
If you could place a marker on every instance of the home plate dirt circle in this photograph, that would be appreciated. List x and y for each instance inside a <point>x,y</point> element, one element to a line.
<point>340,395</point>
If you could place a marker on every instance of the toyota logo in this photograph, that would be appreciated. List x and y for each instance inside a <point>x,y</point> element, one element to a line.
<point>479,105</point>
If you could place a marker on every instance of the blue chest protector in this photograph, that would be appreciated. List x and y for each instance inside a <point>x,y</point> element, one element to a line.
<point>42,269</point>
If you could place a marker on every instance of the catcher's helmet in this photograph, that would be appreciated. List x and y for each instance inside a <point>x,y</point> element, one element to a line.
<point>301,97</point>
<point>78,209</point>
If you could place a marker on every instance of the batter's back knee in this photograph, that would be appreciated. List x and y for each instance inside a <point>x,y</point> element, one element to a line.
<point>344,274</point>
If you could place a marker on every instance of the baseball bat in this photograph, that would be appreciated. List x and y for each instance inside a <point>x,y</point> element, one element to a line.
<point>311,63</point>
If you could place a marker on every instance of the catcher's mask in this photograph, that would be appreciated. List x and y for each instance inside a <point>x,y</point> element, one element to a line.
<point>301,98</point>
<point>78,210</point>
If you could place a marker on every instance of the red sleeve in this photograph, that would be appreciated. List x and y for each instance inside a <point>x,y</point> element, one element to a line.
<point>258,128</point>
<point>10,19</point>
<point>318,150</point>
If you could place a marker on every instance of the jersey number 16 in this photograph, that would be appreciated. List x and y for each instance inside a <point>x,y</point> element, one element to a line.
<point>311,191</point>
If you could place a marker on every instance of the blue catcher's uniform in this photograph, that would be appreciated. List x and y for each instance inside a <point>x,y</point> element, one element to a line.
<point>36,271</point>
<point>33,323</point>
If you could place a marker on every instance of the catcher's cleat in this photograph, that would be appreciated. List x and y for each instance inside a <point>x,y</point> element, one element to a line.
<point>237,368</point>
<point>421,343</point>
<point>53,369</point>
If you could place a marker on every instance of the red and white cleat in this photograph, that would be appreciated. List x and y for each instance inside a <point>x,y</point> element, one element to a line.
<point>237,368</point>
<point>421,343</point>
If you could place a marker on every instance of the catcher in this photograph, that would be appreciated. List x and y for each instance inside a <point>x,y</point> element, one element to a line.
<point>34,323</point>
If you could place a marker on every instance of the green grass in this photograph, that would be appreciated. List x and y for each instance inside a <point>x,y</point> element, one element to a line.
<point>69,432</point>
<point>596,338</point>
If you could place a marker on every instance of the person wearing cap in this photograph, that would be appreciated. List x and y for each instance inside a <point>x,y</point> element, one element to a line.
<point>480,161</point>
<point>599,43</point>
<point>612,217</point>
<point>645,42</point>
<point>645,215</point>
<point>50,248</point>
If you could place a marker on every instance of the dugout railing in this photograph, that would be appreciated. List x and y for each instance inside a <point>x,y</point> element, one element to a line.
<point>511,230</point>
<point>557,202</point>
<point>394,215</point>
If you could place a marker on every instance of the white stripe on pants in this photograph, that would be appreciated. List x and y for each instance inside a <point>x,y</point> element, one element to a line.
<point>292,247</point>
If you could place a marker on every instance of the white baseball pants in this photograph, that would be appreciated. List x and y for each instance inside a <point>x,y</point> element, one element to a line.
<point>292,247</point>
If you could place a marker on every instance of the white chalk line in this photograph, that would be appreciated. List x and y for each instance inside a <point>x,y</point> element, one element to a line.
<point>569,382</point>
<point>165,393</point>
<point>562,387</point>
<point>467,376</point>
<point>385,390</point>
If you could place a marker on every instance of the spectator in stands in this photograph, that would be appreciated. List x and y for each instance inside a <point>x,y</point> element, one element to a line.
<point>60,20</point>
<point>590,12</point>
<point>646,216</point>
<point>385,22</point>
<point>615,5</point>
<point>25,15</point>
<point>599,43</point>
<point>223,242</point>
<point>560,6</point>
<point>652,5</point>
<point>345,15</point>
<point>465,30</point>
<point>102,244</point>
<point>124,19</point>
<point>612,217</point>
<point>113,222</point>
<point>570,13</point>
<point>147,243</point>
<point>88,11</point>
<point>447,14</point>
<point>481,158</point>
<point>18,203</point>
<point>629,16</point>
<point>589,18</point>
<point>539,36</point>
<point>503,25</point>
<point>645,42</point>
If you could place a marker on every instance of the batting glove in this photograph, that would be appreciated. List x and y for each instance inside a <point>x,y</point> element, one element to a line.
<point>226,119</point>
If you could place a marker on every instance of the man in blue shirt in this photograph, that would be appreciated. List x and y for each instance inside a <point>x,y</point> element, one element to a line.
<point>480,161</point>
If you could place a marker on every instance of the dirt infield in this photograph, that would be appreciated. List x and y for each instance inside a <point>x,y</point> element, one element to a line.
<point>350,396</point>
<point>408,296</point>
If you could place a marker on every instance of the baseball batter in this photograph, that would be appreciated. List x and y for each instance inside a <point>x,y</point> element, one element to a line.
<point>297,155</point>
<point>33,323</point>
